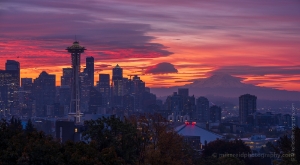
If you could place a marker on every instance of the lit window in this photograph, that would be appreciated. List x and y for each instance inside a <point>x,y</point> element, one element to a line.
<point>76,130</point>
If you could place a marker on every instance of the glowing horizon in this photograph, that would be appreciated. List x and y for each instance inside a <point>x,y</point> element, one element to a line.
<point>171,43</point>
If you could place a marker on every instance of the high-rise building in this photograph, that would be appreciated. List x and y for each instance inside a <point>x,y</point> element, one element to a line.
<point>84,91</point>
<point>90,70</point>
<point>203,109</point>
<point>174,104</point>
<point>127,86</point>
<point>184,92</point>
<point>9,87</point>
<point>95,101</point>
<point>137,90</point>
<point>26,83</point>
<point>13,65</point>
<point>44,93</point>
<point>75,51</point>
<point>66,78</point>
<point>104,88</point>
<point>26,96</point>
<point>65,98</point>
<point>189,106</point>
<point>149,102</point>
<point>215,113</point>
<point>247,106</point>
<point>117,86</point>
<point>128,104</point>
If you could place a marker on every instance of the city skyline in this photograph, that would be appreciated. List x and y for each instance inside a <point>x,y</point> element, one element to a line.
<point>171,45</point>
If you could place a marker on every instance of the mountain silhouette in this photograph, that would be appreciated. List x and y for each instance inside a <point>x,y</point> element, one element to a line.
<point>225,85</point>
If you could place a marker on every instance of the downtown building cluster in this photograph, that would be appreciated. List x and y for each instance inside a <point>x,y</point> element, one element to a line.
<point>40,97</point>
<point>113,94</point>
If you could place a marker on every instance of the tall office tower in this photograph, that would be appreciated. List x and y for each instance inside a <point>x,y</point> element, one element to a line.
<point>13,65</point>
<point>126,86</point>
<point>128,104</point>
<point>90,69</point>
<point>84,91</point>
<point>65,98</point>
<point>94,100</point>
<point>117,86</point>
<point>149,102</point>
<point>26,83</point>
<point>44,93</point>
<point>26,96</point>
<point>174,104</point>
<point>203,109</point>
<point>138,89</point>
<point>66,78</point>
<point>215,113</point>
<point>189,106</point>
<point>75,51</point>
<point>9,92</point>
<point>104,88</point>
<point>184,92</point>
<point>247,106</point>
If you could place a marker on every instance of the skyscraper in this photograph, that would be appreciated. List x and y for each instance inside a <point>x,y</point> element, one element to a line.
<point>26,96</point>
<point>104,88</point>
<point>138,89</point>
<point>90,69</point>
<point>215,113</point>
<point>128,104</point>
<point>9,87</point>
<point>203,109</point>
<point>184,92</point>
<point>85,85</point>
<point>247,106</point>
<point>13,65</point>
<point>94,100</point>
<point>117,85</point>
<point>189,107</point>
<point>26,83</point>
<point>66,78</point>
<point>75,51</point>
<point>65,98</point>
<point>174,104</point>
<point>44,93</point>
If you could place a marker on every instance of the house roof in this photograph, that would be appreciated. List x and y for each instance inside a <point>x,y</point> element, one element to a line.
<point>195,130</point>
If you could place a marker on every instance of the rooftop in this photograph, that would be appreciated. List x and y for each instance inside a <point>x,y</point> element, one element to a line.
<point>195,130</point>
<point>75,46</point>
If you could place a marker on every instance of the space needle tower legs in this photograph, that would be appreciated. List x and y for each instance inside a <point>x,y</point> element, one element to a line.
<point>75,51</point>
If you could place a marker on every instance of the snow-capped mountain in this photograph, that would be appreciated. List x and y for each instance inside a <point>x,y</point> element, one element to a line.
<point>228,86</point>
<point>218,80</point>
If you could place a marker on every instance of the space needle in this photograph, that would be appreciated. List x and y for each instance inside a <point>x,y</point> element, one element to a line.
<point>75,51</point>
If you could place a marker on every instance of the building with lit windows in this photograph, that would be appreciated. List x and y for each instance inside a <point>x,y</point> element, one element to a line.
<point>247,106</point>
<point>44,93</point>
<point>117,86</point>
<point>9,87</point>
<point>104,89</point>
<point>203,109</point>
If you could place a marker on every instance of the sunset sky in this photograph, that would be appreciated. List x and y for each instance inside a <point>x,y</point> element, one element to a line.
<point>170,42</point>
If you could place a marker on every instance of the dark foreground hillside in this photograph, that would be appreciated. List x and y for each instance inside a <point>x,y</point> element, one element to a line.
<point>145,140</point>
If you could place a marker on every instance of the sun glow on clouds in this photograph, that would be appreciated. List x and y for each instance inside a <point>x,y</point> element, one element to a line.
<point>197,37</point>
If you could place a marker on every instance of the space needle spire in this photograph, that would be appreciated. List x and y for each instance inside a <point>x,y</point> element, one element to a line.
<point>75,51</point>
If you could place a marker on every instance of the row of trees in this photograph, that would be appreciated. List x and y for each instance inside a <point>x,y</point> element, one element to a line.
<point>144,140</point>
